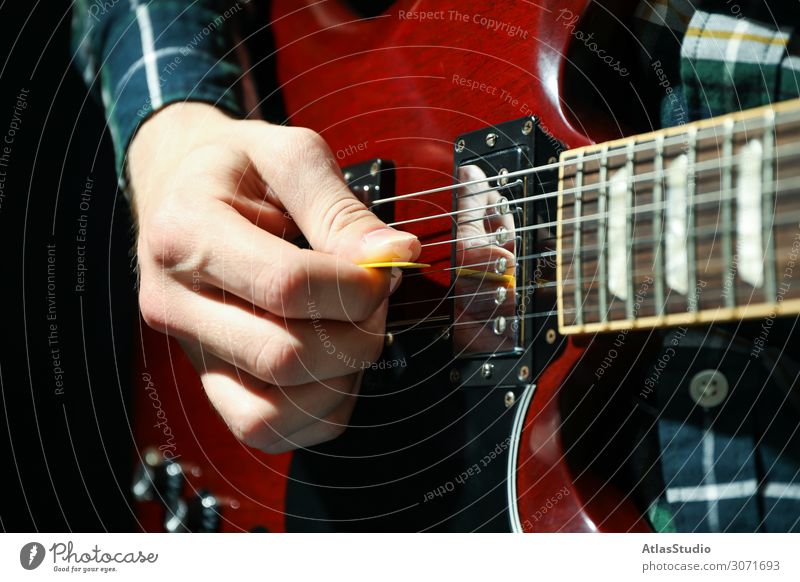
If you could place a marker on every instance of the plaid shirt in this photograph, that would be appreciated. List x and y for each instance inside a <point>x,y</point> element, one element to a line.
<point>733,467</point>
<point>138,56</point>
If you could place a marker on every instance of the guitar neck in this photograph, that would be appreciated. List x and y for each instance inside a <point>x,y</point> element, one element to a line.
<point>688,225</point>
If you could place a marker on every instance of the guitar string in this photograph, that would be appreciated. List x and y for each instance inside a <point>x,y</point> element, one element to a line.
<point>779,154</point>
<point>680,304</point>
<point>592,283</point>
<point>480,322</point>
<point>709,166</point>
<point>622,150</point>
<point>710,232</point>
<point>707,197</point>
<point>701,199</point>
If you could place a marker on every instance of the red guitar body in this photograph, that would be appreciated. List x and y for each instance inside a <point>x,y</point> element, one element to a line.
<point>391,87</point>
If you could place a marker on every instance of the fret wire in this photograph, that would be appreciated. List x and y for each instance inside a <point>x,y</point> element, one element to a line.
<point>691,184</point>
<point>767,212</point>
<point>658,221</point>
<point>601,227</point>
<point>577,240</point>
<point>630,251</point>
<point>727,215</point>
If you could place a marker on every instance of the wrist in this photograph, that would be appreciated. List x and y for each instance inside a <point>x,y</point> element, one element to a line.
<point>164,139</point>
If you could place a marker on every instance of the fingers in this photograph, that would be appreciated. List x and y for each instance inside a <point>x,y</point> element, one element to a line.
<point>331,217</point>
<point>325,429</point>
<point>271,418</point>
<point>278,277</point>
<point>286,352</point>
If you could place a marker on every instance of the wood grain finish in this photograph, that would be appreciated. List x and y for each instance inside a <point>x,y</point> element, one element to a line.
<point>717,292</point>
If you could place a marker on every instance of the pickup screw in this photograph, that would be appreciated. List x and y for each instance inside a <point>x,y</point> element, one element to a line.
<point>491,139</point>
<point>500,295</point>
<point>348,176</point>
<point>445,334</point>
<point>373,169</point>
<point>389,340</point>
<point>527,127</point>
<point>455,376</point>
<point>502,234</point>
<point>460,145</point>
<point>550,336</point>
<point>552,160</point>
<point>502,206</point>
<point>486,370</point>
<point>503,180</point>
<point>509,399</point>
<point>523,373</point>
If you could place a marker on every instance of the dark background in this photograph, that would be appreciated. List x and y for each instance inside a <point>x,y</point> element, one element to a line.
<point>64,458</point>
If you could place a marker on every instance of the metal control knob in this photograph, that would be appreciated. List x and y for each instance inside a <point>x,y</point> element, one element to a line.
<point>203,513</point>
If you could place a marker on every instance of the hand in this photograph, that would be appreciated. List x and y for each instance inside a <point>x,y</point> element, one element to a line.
<point>272,329</point>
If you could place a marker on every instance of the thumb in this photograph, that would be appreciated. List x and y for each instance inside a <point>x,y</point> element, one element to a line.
<point>310,186</point>
<point>360,236</point>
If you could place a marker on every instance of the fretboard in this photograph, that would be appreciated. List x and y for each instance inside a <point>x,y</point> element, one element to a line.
<point>688,225</point>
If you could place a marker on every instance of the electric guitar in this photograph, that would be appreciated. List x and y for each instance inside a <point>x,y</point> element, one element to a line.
<point>556,250</point>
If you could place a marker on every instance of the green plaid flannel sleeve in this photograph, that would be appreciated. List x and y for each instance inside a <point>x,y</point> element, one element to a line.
<point>138,56</point>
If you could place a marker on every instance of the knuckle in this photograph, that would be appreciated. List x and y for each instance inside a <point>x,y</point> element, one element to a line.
<point>151,306</point>
<point>167,236</point>
<point>309,141</point>
<point>280,362</point>
<point>283,287</point>
<point>249,429</point>
<point>343,213</point>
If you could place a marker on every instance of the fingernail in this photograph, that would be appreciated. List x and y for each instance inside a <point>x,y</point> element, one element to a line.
<point>389,244</point>
<point>396,275</point>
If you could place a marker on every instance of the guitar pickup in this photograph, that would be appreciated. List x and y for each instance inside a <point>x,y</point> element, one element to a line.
<point>370,181</point>
<point>503,260</point>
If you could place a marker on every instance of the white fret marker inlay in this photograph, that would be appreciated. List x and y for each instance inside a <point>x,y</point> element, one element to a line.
<point>749,240</point>
<point>675,233</point>
<point>617,234</point>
